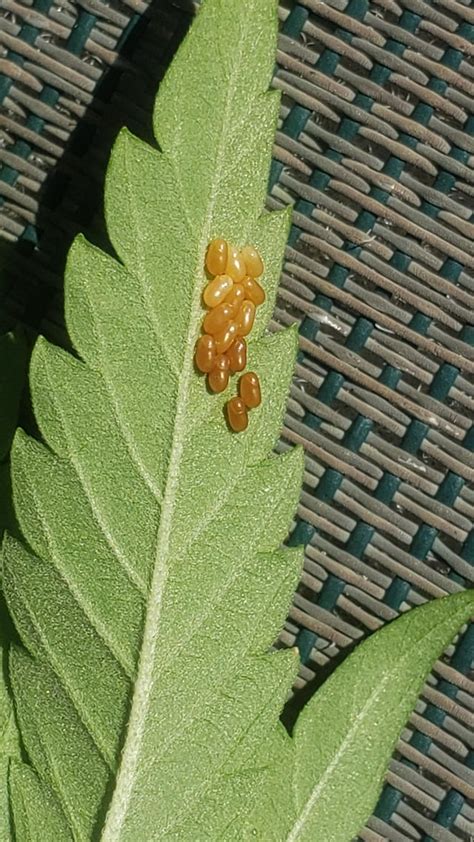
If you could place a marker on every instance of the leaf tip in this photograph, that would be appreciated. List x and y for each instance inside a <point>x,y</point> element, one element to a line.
<point>19,442</point>
<point>298,452</point>
<point>38,357</point>
<point>78,243</point>
<point>294,333</point>
<point>122,142</point>
<point>462,603</point>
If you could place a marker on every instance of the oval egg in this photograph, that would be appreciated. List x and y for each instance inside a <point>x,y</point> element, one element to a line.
<point>217,290</point>
<point>253,291</point>
<point>217,319</point>
<point>218,379</point>
<point>237,415</point>
<point>237,354</point>
<point>235,266</point>
<point>245,318</point>
<point>225,337</point>
<point>252,260</point>
<point>235,298</point>
<point>249,390</point>
<point>205,354</point>
<point>216,256</point>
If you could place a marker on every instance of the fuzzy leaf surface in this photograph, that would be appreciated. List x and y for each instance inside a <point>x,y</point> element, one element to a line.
<point>329,779</point>
<point>9,744</point>
<point>36,813</point>
<point>150,581</point>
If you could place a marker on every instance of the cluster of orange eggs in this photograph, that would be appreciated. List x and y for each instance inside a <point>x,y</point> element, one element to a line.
<point>232,297</point>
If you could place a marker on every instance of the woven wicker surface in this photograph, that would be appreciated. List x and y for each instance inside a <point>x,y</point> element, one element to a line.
<point>374,149</point>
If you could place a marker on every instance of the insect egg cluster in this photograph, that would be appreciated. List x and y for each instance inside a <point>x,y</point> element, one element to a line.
<point>231,297</point>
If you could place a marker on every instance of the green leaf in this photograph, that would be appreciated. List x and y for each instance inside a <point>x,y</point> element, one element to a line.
<point>32,806</point>
<point>150,582</point>
<point>9,746</point>
<point>36,813</point>
<point>328,781</point>
<point>6,514</point>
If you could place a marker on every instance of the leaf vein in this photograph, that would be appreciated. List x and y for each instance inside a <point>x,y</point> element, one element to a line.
<point>184,207</point>
<point>62,680</point>
<point>109,539</point>
<point>208,783</point>
<point>122,426</point>
<point>101,632</point>
<point>58,782</point>
<point>198,624</point>
<point>300,822</point>
<point>144,684</point>
<point>140,277</point>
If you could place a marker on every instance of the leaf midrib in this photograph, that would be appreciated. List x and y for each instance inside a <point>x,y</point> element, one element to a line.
<point>305,812</point>
<point>117,814</point>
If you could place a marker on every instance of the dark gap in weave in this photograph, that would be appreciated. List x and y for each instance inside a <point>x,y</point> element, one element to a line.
<point>94,133</point>
<point>73,189</point>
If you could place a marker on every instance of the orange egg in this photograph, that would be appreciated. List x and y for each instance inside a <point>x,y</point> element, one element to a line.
<point>249,389</point>
<point>221,362</point>
<point>235,298</point>
<point>237,415</point>
<point>218,379</point>
<point>216,257</point>
<point>225,337</point>
<point>217,319</point>
<point>253,291</point>
<point>205,353</point>
<point>252,260</point>
<point>237,354</point>
<point>245,318</point>
<point>217,290</point>
<point>235,266</point>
